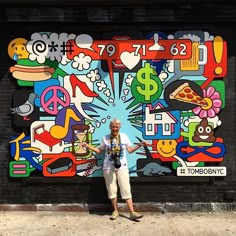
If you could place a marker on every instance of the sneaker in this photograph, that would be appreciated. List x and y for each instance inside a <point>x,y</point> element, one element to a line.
<point>114,215</point>
<point>135,215</point>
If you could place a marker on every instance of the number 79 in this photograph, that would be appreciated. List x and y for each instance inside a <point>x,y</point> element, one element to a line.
<point>110,49</point>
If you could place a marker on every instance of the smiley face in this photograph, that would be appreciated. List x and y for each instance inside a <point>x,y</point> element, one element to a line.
<point>166,148</point>
<point>17,49</point>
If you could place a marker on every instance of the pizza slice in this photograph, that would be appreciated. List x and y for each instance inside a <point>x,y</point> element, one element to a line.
<point>185,93</point>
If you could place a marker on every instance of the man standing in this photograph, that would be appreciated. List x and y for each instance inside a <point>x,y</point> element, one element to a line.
<point>115,166</point>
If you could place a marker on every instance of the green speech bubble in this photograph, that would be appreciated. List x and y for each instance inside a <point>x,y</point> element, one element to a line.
<point>191,129</point>
<point>146,86</point>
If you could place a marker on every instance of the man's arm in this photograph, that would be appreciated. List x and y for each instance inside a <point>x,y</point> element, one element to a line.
<point>132,149</point>
<point>94,149</point>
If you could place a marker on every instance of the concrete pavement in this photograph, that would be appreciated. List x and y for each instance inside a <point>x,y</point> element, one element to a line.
<point>45,223</point>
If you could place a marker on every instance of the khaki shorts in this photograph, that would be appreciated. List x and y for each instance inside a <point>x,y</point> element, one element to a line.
<point>120,176</point>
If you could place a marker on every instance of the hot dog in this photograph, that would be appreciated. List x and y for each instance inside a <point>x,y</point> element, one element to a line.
<point>31,71</point>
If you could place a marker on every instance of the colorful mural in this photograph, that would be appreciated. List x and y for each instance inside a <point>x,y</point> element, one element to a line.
<point>166,89</point>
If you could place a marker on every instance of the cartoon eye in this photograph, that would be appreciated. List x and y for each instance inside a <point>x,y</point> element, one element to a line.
<point>200,129</point>
<point>16,48</point>
<point>163,142</point>
<point>170,142</point>
<point>208,129</point>
<point>22,48</point>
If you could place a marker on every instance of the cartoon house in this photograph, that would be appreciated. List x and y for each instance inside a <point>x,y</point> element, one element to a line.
<point>162,123</point>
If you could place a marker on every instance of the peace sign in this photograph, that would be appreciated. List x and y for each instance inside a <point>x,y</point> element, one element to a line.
<point>52,98</point>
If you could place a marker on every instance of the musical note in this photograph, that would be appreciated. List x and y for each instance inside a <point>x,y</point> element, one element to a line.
<point>59,131</point>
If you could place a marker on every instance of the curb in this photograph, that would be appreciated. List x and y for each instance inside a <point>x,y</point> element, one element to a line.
<point>143,207</point>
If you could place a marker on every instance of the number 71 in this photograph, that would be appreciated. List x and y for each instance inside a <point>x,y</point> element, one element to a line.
<point>138,46</point>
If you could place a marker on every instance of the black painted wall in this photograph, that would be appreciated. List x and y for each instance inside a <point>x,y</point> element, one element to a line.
<point>216,17</point>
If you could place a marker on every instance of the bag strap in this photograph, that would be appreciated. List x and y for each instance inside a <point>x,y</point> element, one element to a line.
<point>117,143</point>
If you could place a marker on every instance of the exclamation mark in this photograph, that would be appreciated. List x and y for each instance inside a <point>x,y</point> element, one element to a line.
<point>218,52</point>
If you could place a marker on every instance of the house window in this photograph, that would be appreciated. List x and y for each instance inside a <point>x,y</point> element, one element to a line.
<point>167,127</point>
<point>158,117</point>
<point>149,127</point>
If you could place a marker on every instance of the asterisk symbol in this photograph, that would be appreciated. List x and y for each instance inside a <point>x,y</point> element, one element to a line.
<point>53,47</point>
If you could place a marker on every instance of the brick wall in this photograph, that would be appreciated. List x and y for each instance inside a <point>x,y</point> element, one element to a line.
<point>217,19</point>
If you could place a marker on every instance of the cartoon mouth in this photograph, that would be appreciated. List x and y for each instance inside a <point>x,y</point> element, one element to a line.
<point>167,152</point>
<point>203,136</point>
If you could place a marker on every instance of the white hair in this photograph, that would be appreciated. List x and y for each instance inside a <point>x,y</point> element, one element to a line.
<point>115,121</point>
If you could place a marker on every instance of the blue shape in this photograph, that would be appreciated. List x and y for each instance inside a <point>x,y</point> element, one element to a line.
<point>27,154</point>
<point>158,64</point>
<point>197,150</point>
<point>40,86</point>
<point>15,57</point>
<point>155,125</point>
<point>60,120</point>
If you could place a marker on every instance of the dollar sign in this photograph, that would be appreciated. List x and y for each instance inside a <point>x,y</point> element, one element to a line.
<point>146,87</point>
<point>149,86</point>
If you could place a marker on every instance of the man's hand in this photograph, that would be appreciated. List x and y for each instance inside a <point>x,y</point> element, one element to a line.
<point>144,144</point>
<point>83,144</point>
<point>94,149</point>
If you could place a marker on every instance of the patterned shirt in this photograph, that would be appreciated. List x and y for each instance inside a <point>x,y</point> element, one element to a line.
<point>122,146</point>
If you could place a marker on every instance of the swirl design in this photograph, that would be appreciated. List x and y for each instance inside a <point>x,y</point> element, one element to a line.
<point>39,46</point>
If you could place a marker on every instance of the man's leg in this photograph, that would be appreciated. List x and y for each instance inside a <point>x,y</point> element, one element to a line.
<point>125,189</point>
<point>133,215</point>
<point>114,204</point>
<point>130,205</point>
<point>111,184</point>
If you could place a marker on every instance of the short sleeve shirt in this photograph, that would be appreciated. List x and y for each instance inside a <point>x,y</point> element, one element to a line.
<point>106,145</point>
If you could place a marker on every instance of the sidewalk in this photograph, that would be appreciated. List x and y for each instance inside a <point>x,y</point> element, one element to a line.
<point>45,223</point>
